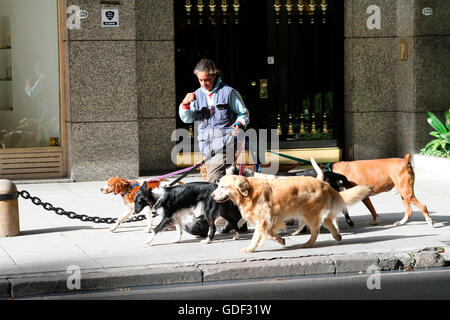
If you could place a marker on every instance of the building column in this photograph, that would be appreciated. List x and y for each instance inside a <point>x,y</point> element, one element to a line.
<point>395,71</point>
<point>120,90</point>
<point>155,68</point>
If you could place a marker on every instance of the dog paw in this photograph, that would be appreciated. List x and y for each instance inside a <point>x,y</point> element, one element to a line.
<point>112,229</point>
<point>205,241</point>
<point>147,230</point>
<point>306,245</point>
<point>247,250</point>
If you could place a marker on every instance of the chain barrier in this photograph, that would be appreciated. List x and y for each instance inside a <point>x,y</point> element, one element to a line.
<point>72,215</point>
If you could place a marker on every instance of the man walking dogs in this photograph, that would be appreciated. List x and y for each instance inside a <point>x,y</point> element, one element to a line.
<point>222,113</point>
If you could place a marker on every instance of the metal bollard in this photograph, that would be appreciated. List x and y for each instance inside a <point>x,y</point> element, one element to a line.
<point>9,209</point>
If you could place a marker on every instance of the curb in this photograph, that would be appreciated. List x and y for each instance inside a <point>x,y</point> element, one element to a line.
<point>4,289</point>
<point>100,280</point>
<point>52,283</point>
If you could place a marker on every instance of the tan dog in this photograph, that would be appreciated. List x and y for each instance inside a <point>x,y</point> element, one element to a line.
<point>383,175</point>
<point>266,203</point>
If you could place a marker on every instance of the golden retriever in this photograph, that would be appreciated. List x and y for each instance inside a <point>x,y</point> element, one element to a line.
<point>266,203</point>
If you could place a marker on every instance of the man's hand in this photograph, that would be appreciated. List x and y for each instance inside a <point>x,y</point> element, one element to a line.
<point>235,130</point>
<point>189,98</point>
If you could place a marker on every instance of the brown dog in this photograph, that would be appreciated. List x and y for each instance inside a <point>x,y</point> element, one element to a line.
<point>383,175</point>
<point>127,190</point>
<point>266,203</point>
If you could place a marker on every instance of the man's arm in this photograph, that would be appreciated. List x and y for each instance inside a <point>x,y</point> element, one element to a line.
<point>186,113</point>
<point>238,106</point>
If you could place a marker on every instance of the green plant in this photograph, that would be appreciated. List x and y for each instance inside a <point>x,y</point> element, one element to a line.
<point>440,145</point>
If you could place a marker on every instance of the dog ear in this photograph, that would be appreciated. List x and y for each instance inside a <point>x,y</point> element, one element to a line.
<point>243,186</point>
<point>143,186</point>
<point>121,186</point>
<point>118,187</point>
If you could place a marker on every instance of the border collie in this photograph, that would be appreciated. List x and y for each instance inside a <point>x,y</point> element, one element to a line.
<point>183,203</point>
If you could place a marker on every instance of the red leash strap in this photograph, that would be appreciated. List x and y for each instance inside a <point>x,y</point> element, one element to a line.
<point>241,167</point>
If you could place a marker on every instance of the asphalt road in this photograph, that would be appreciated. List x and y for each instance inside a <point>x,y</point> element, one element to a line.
<point>419,284</point>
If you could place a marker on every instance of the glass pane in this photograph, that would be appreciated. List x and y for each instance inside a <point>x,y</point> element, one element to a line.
<point>29,74</point>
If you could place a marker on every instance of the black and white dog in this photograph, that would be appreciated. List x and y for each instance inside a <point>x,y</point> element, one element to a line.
<point>183,203</point>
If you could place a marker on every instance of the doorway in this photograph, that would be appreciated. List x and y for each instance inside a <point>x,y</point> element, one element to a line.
<point>284,57</point>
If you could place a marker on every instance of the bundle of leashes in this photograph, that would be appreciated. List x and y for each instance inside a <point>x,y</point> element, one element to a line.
<point>187,171</point>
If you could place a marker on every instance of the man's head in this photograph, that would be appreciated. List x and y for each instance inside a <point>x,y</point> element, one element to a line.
<point>206,72</point>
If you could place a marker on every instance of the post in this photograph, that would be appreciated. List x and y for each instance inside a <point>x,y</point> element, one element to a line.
<point>9,209</point>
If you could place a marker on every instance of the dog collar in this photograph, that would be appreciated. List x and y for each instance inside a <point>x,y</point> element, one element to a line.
<point>131,187</point>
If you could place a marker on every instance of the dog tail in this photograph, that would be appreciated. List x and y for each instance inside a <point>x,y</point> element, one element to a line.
<point>407,157</point>
<point>317,168</point>
<point>409,167</point>
<point>351,196</point>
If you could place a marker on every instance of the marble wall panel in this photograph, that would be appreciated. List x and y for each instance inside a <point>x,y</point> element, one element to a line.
<point>91,27</point>
<point>155,20</point>
<point>102,81</point>
<point>374,135</point>
<point>155,145</point>
<point>362,12</point>
<point>375,78</point>
<point>432,73</point>
<point>436,24</point>
<point>156,79</point>
<point>102,150</point>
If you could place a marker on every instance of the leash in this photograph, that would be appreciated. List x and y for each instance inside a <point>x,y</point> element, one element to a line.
<point>241,167</point>
<point>186,171</point>
<point>174,173</point>
<point>301,161</point>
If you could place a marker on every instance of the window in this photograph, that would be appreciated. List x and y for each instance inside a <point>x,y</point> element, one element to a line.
<point>29,74</point>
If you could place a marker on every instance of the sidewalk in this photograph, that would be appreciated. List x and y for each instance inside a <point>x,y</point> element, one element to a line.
<point>37,261</point>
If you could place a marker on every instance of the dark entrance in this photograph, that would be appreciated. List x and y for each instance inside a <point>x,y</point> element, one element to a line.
<point>284,57</point>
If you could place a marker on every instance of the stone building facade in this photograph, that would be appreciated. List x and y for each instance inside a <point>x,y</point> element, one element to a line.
<point>386,95</point>
<point>118,87</point>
